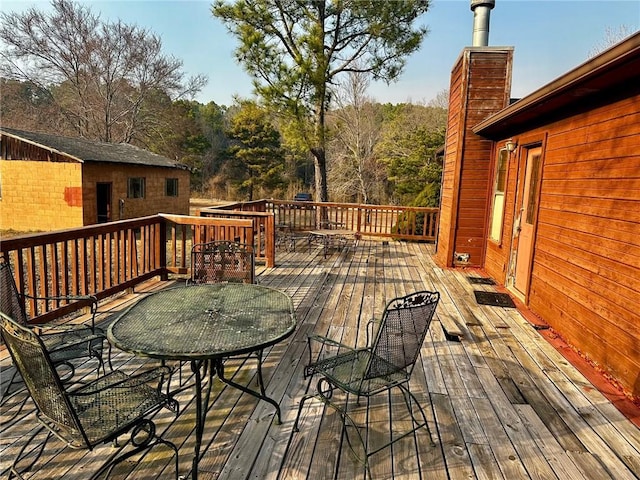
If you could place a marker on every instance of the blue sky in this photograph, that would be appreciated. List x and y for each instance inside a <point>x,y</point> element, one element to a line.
<point>550,38</point>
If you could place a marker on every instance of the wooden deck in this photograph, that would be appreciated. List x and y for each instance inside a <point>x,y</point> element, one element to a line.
<point>501,401</point>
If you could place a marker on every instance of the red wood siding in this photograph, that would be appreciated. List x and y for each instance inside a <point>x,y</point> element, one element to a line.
<point>444,252</point>
<point>586,268</point>
<point>480,86</point>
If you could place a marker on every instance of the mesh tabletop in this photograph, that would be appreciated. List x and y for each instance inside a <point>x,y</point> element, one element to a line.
<point>204,322</point>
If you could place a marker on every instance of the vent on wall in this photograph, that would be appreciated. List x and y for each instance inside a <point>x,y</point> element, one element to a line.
<point>461,257</point>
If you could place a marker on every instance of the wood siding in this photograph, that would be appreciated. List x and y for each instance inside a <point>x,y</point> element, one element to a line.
<point>155,201</point>
<point>44,191</point>
<point>586,270</point>
<point>40,195</point>
<point>450,168</point>
<point>480,86</point>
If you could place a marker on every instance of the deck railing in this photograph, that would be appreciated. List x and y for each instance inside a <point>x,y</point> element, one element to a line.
<point>264,225</point>
<point>105,259</point>
<point>393,221</point>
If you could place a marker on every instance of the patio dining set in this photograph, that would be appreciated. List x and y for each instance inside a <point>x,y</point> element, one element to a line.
<point>219,314</point>
<point>329,235</point>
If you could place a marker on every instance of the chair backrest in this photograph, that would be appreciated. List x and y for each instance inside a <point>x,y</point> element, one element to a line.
<point>404,325</point>
<point>11,302</point>
<point>222,261</point>
<point>32,360</point>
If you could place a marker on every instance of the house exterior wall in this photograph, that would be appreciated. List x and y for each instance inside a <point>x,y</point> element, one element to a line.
<point>451,168</point>
<point>585,277</point>
<point>155,200</point>
<point>40,195</point>
<point>480,86</point>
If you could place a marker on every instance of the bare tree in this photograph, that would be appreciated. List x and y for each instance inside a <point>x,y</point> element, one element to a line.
<point>102,75</point>
<point>356,124</point>
<point>611,37</point>
<point>441,100</point>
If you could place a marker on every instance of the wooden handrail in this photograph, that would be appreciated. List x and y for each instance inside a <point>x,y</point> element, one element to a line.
<point>264,242</point>
<point>105,259</point>
<point>392,221</point>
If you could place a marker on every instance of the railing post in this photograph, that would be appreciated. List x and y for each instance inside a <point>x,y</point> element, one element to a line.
<point>161,238</point>
<point>270,244</point>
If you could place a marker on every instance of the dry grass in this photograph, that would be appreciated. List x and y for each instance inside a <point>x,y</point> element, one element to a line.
<point>4,234</point>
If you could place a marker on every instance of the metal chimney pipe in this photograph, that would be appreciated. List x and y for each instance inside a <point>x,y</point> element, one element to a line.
<point>481,12</point>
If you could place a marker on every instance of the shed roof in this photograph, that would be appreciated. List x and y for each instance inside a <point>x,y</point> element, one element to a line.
<point>84,150</point>
<point>614,70</point>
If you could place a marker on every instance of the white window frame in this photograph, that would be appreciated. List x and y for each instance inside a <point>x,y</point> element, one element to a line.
<point>496,219</point>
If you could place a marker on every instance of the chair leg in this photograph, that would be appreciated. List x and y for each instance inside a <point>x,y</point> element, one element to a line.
<point>40,449</point>
<point>324,396</point>
<point>410,398</point>
<point>321,394</point>
<point>143,437</point>
<point>302,401</point>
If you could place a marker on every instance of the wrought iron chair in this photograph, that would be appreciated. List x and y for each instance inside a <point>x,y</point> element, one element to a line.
<point>385,364</point>
<point>94,413</point>
<point>222,261</point>
<point>225,261</point>
<point>64,343</point>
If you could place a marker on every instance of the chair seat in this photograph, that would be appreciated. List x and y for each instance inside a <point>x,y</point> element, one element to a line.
<point>359,372</point>
<point>111,404</point>
<point>72,343</point>
<point>92,413</point>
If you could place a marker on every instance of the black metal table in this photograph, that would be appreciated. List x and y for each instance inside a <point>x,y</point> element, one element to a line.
<point>204,324</point>
<point>329,238</point>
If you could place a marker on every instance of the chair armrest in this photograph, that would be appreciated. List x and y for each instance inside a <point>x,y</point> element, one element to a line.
<point>327,341</point>
<point>371,324</point>
<point>323,343</point>
<point>91,300</point>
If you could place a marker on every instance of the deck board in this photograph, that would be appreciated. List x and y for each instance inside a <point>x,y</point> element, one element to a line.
<point>500,400</point>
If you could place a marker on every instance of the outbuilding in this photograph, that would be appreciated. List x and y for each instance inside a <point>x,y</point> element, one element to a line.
<point>50,182</point>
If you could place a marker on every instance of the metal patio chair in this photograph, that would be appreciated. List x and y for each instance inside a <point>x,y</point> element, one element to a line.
<point>222,261</point>
<point>93,413</point>
<point>385,364</point>
<point>64,343</point>
<point>225,261</point>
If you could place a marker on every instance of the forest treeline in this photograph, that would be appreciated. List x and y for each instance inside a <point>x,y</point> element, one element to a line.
<point>377,153</point>
<point>67,71</point>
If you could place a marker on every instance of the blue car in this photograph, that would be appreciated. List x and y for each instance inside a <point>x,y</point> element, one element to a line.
<point>302,197</point>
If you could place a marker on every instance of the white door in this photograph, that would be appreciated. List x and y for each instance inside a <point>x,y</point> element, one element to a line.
<point>527,216</point>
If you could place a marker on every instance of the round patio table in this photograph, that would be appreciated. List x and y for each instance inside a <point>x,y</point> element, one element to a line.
<point>204,324</point>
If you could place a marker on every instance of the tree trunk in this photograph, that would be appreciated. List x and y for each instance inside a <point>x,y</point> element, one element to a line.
<point>319,149</point>
<point>320,169</point>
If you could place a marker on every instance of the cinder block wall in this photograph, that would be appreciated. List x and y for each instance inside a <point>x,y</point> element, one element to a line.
<point>40,196</point>
<point>155,200</point>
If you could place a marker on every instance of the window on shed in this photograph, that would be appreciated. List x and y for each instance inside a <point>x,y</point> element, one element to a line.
<point>136,187</point>
<point>499,187</point>
<point>171,187</point>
